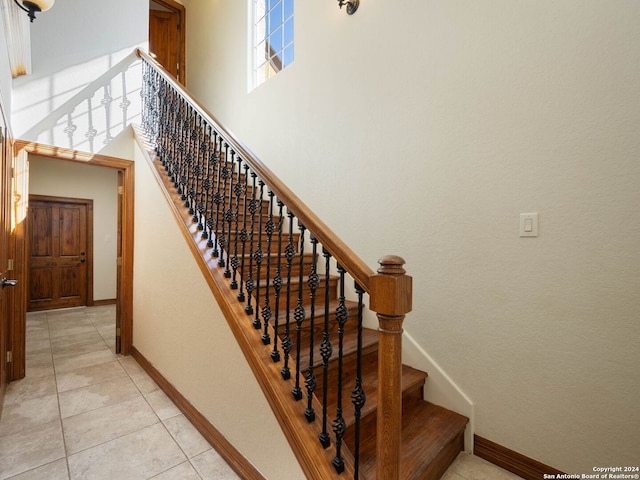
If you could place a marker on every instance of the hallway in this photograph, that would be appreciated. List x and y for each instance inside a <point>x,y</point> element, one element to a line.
<point>84,413</point>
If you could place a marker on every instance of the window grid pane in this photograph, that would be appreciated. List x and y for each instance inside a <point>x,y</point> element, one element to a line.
<point>272,38</point>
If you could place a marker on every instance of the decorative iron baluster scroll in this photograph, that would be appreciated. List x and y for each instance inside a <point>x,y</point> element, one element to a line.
<point>311,382</point>
<point>325,351</point>
<point>287,342</point>
<point>277,286</point>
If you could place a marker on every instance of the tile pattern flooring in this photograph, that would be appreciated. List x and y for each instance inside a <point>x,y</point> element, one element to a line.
<point>83,412</point>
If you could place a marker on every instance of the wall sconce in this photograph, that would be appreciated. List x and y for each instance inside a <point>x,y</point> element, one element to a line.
<point>31,7</point>
<point>352,5</point>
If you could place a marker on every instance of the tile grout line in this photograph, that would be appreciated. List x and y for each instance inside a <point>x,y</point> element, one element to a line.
<point>55,379</point>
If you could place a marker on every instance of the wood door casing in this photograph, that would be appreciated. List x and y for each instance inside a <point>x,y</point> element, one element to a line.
<point>21,151</point>
<point>60,260</point>
<point>5,241</point>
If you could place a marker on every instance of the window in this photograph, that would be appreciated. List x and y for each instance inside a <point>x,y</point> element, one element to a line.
<point>272,38</point>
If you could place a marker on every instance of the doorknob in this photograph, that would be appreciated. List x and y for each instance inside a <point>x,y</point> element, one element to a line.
<point>82,260</point>
<point>9,283</point>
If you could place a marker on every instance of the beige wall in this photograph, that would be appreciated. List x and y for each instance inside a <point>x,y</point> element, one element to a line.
<point>74,180</point>
<point>445,121</point>
<point>179,328</point>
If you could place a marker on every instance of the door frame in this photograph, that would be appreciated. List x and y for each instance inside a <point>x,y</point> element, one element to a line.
<point>124,291</point>
<point>89,236</point>
<point>180,9</point>
<point>7,295</point>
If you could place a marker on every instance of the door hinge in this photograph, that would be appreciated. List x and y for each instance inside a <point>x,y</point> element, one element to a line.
<point>120,190</point>
<point>10,264</point>
<point>9,356</point>
<point>119,261</point>
<point>118,332</point>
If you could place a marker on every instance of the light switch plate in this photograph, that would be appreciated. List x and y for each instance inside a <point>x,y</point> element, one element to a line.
<point>528,224</point>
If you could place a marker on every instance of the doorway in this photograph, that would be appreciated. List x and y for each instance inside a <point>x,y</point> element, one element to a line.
<point>60,240</point>
<point>167,34</point>
<point>124,242</point>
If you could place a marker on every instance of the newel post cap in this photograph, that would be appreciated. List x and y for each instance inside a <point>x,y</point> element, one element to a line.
<point>391,289</point>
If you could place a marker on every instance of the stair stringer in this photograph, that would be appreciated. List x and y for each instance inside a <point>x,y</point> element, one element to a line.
<point>439,389</point>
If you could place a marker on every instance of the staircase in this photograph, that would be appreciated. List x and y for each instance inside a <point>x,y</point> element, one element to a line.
<point>337,388</point>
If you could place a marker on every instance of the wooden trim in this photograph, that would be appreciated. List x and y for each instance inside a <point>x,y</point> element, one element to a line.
<point>107,301</point>
<point>510,460</point>
<point>315,462</point>
<point>340,251</point>
<point>125,289</point>
<point>231,455</point>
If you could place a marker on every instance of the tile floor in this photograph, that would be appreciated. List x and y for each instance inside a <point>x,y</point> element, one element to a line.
<point>83,412</point>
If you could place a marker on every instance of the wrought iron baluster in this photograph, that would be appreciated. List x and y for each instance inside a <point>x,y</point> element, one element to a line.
<point>181,178</point>
<point>326,350</point>
<point>190,164</point>
<point>258,256</point>
<point>244,235</point>
<point>240,191</point>
<point>299,314</point>
<point>206,181</point>
<point>222,242</point>
<point>251,283</point>
<point>218,197</point>
<point>163,126</point>
<point>339,424</point>
<point>287,342</point>
<point>266,309</point>
<point>277,286</point>
<point>314,282</point>
<point>197,171</point>
<point>195,167</point>
<point>206,184</point>
<point>168,128</point>
<point>230,213</point>
<point>211,214</point>
<point>358,396</point>
<point>174,142</point>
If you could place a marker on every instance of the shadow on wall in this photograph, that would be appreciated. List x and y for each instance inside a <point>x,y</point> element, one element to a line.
<point>78,107</point>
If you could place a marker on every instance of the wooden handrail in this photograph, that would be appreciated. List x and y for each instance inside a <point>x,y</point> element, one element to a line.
<point>359,270</point>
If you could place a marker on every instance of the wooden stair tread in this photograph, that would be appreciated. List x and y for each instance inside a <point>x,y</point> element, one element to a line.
<point>411,379</point>
<point>350,344</point>
<point>428,430</point>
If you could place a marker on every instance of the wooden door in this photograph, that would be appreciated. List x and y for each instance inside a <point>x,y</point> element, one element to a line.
<point>59,234</point>
<point>164,39</point>
<point>5,273</point>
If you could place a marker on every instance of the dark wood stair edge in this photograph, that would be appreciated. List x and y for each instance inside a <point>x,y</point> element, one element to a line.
<point>315,461</point>
<point>510,460</point>
<point>238,462</point>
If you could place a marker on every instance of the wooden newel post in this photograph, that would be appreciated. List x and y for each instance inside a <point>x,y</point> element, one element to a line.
<point>390,298</point>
